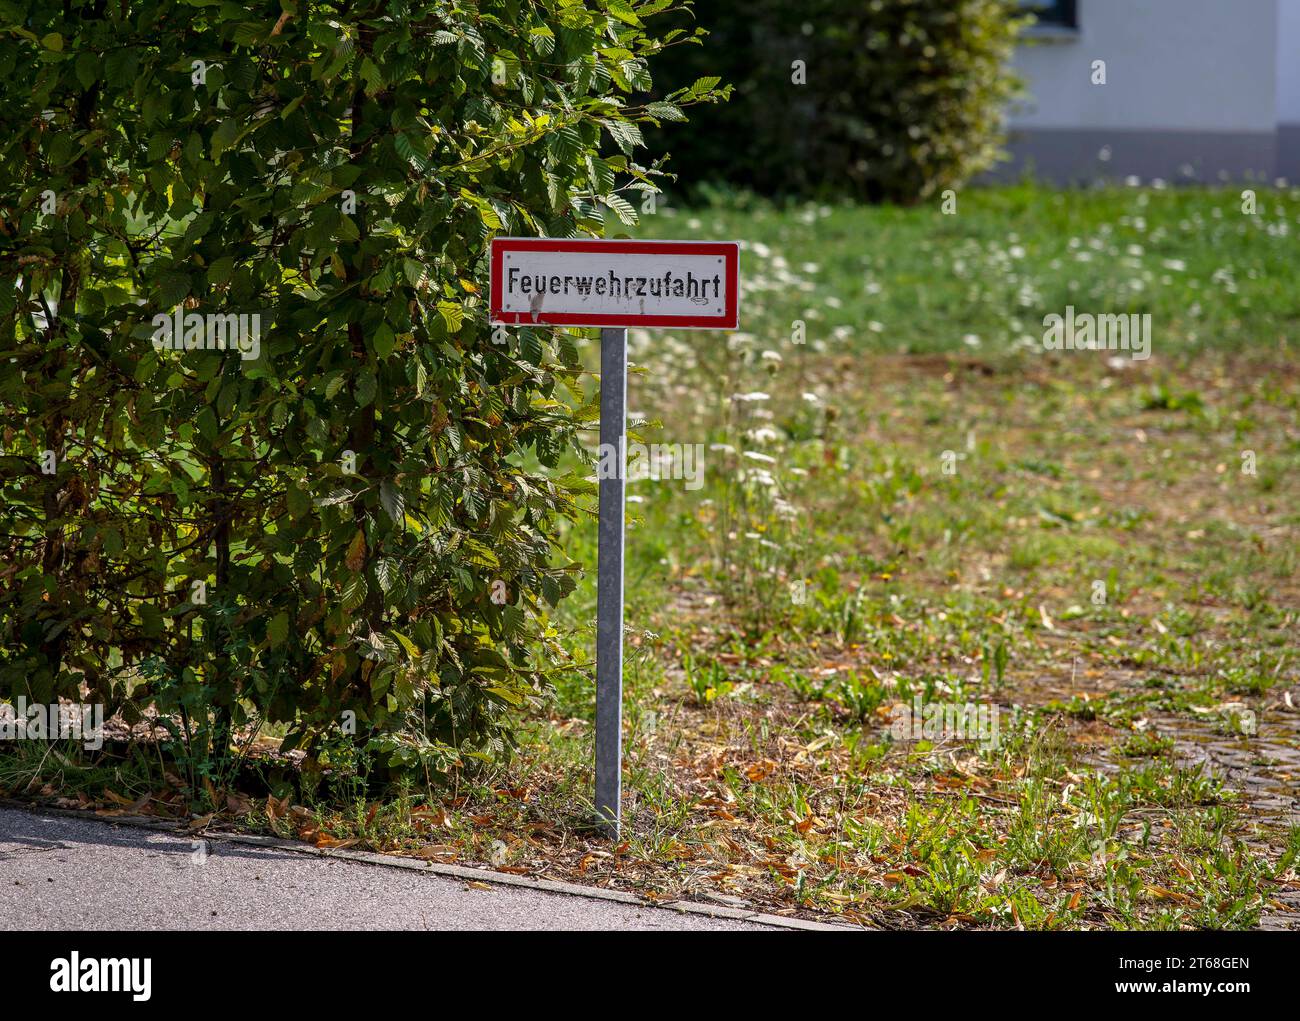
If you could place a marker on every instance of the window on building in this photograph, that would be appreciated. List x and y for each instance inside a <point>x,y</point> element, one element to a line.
<point>1062,13</point>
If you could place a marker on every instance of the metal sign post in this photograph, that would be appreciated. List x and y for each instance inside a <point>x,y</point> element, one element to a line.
<point>609,583</point>
<point>689,285</point>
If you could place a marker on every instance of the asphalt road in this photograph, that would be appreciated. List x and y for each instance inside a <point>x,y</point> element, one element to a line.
<point>71,874</point>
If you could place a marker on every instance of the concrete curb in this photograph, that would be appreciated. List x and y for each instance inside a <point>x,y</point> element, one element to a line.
<point>463,872</point>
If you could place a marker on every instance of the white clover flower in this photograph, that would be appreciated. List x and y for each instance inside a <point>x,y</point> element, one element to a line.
<point>876,327</point>
<point>812,398</point>
<point>971,340</point>
<point>1177,265</point>
<point>771,356</point>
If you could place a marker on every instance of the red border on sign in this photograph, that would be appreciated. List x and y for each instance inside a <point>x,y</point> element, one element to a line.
<point>729,250</point>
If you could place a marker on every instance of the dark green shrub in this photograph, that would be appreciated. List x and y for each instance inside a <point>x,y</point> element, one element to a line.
<point>351,534</point>
<point>903,98</point>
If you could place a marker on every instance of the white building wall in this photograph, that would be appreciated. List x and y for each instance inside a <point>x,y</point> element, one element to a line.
<point>1192,90</point>
<point>1288,62</point>
<point>1288,89</point>
<point>1170,64</point>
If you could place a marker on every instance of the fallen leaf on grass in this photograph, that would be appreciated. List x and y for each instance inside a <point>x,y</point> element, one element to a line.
<point>431,815</point>
<point>276,810</point>
<point>304,823</point>
<point>804,825</point>
<point>1162,893</point>
<point>325,840</point>
<point>431,852</point>
<point>760,770</point>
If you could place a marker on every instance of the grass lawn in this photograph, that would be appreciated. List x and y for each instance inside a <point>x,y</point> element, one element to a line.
<point>907,497</point>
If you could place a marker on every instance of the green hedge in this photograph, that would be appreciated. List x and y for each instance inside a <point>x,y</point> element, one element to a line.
<point>903,98</point>
<point>353,534</point>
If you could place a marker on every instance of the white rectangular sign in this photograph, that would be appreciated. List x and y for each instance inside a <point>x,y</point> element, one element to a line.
<point>589,282</point>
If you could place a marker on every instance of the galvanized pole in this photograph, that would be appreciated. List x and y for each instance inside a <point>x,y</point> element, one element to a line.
<point>609,580</point>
